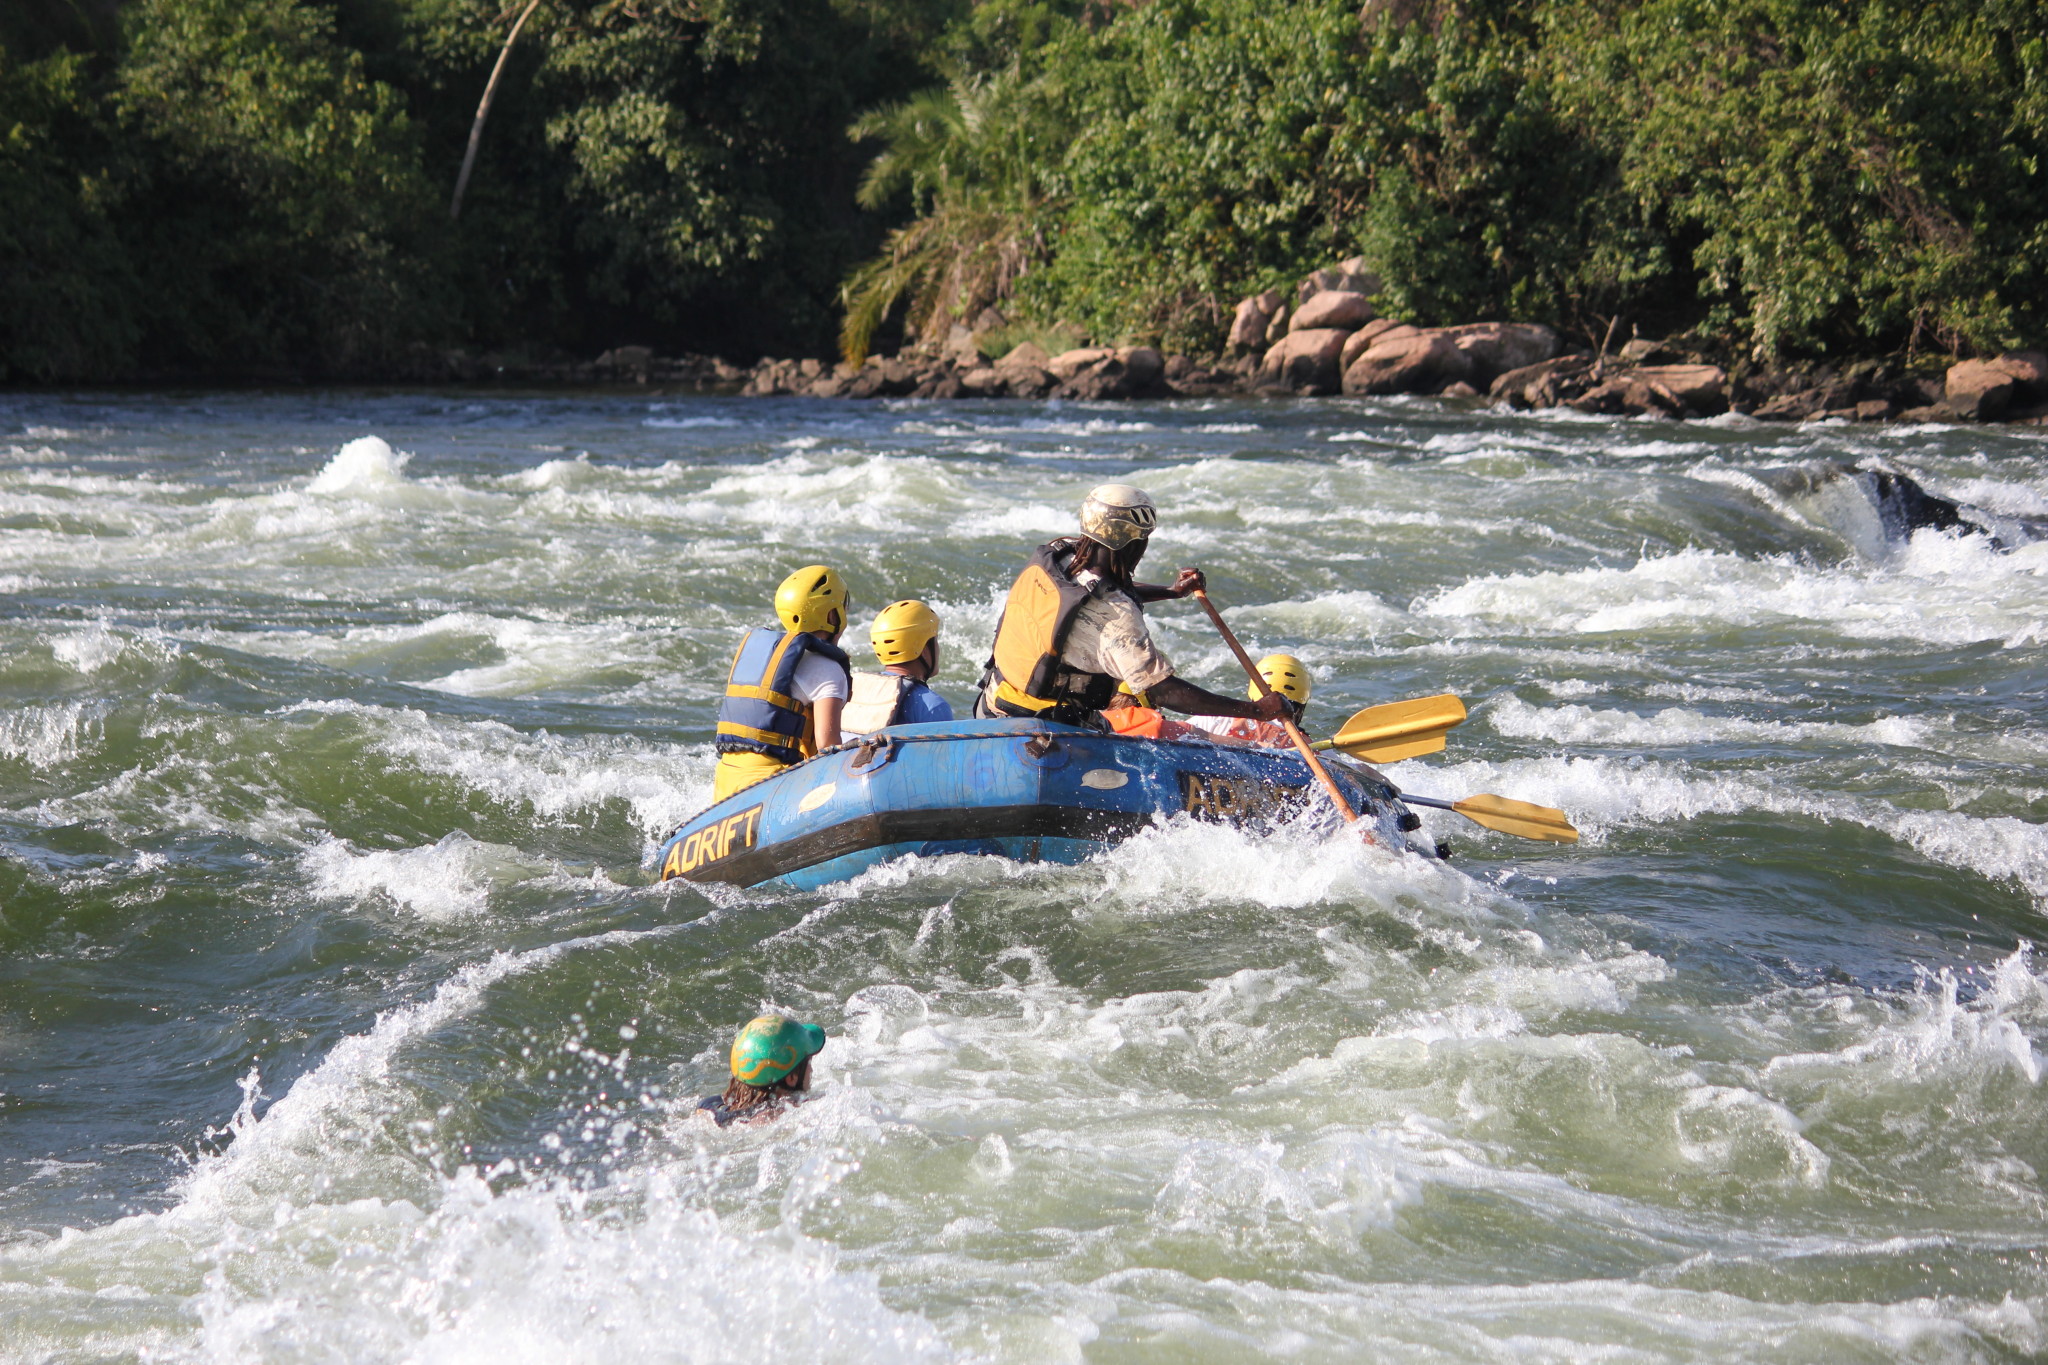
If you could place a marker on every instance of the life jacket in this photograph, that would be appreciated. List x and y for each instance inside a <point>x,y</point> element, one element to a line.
<point>758,715</point>
<point>1027,674</point>
<point>877,701</point>
<point>1141,721</point>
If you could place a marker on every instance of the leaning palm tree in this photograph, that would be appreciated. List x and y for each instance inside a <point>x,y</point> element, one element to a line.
<point>958,151</point>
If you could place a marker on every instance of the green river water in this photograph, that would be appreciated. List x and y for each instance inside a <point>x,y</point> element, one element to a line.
<point>342,1018</point>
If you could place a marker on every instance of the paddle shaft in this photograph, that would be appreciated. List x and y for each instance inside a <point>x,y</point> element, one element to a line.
<point>1411,799</point>
<point>1293,731</point>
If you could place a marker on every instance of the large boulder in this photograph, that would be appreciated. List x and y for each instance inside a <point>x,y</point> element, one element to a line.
<point>1494,348</point>
<point>1026,353</point>
<point>1542,385</point>
<point>1426,362</point>
<point>1979,390</point>
<point>1332,308</point>
<point>1699,389</point>
<point>1349,277</point>
<point>1362,340</point>
<point>983,381</point>
<point>1305,362</point>
<point>1067,364</point>
<point>1144,368</point>
<point>1026,381</point>
<point>1254,316</point>
<point>2029,371</point>
<point>1628,394</point>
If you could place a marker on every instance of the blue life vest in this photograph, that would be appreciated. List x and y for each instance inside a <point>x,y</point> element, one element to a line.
<point>758,715</point>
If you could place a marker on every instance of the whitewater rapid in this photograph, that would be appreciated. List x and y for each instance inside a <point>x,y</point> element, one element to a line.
<point>341,1017</point>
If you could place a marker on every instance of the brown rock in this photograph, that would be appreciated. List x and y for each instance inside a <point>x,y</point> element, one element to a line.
<point>1931,412</point>
<point>1305,362</point>
<point>1028,353</point>
<point>1254,316</point>
<point>1067,364</point>
<point>1332,308</point>
<point>898,378</point>
<point>1276,326</point>
<point>2029,371</point>
<point>629,358</point>
<point>1628,394</point>
<point>1494,348</point>
<point>1874,410</point>
<point>1344,279</point>
<point>1026,381</point>
<point>1791,407</point>
<point>1144,368</point>
<point>1423,363</point>
<point>1362,340</point>
<point>829,386</point>
<point>1460,390</point>
<point>981,382</point>
<point>1541,385</point>
<point>1978,390</point>
<point>1702,389</point>
<point>961,347</point>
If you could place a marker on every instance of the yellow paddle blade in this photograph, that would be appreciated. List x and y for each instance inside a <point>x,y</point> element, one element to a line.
<point>1522,818</point>
<point>1399,729</point>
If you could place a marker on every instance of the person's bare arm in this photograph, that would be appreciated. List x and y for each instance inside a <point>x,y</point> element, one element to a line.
<point>1184,583</point>
<point>1177,695</point>
<point>825,712</point>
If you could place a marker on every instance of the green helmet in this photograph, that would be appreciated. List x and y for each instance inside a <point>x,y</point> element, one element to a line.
<point>771,1047</point>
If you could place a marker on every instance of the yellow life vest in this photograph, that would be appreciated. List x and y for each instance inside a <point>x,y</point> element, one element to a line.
<point>1027,675</point>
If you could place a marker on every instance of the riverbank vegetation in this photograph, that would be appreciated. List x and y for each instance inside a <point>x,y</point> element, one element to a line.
<point>254,188</point>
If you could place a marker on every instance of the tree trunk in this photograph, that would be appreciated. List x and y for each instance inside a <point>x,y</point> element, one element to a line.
<point>483,109</point>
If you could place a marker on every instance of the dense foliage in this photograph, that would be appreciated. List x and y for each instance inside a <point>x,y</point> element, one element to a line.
<point>1783,176</point>
<point>254,187</point>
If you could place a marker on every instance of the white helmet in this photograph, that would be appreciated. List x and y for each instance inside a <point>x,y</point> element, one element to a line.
<point>1116,514</point>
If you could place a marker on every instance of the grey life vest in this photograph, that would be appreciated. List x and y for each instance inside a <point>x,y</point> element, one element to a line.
<point>877,701</point>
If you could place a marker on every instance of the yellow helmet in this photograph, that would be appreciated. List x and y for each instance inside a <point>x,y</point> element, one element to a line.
<point>1286,675</point>
<point>813,598</point>
<point>902,630</point>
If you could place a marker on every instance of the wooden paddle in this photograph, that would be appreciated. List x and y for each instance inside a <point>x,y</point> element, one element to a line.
<point>1293,731</point>
<point>1398,729</point>
<point>1522,818</point>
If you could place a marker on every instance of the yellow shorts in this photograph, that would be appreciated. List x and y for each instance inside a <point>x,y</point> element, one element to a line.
<point>737,772</point>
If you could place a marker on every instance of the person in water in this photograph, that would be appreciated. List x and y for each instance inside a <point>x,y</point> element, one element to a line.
<point>771,1071</point>
<point>1074,627</point>
<point>787,688</point>
<point>906,640</point>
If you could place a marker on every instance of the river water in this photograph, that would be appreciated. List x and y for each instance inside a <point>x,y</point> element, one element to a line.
<point>342,1019</point>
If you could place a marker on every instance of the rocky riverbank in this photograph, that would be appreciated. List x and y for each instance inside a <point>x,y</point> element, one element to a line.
<point>1328,340</point>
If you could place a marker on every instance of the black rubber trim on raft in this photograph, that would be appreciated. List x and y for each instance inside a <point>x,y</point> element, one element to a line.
<point>881,828</point>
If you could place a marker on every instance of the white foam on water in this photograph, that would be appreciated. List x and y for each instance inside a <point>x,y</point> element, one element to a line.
<point>366,464</point>
<point>1944,590</point>
<point>1575,724</point>
<point>689,423</point>
<point>559,778</point>
<point>278,1249</point>
<point>1933,1035</point>
<point>48,735</point>
<point>448,880</point>
<point>1601,795</point>
<point>88,650</point>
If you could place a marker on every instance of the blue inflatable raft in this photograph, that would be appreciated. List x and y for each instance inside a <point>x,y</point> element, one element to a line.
<point>1024,789</point>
